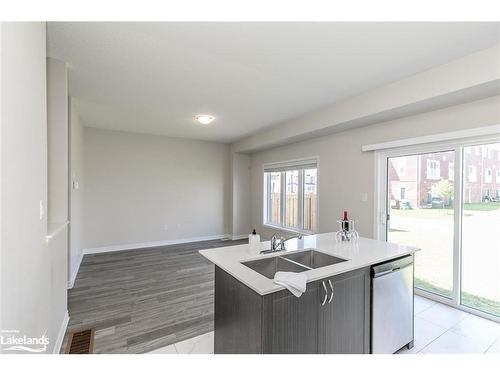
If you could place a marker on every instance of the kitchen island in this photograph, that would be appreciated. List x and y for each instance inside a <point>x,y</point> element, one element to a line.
<point>255,315</point>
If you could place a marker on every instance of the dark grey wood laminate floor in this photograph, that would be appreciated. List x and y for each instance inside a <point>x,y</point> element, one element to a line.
<point>144,299</point>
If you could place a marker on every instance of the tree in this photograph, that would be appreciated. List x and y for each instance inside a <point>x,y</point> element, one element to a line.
<point>443,189</point>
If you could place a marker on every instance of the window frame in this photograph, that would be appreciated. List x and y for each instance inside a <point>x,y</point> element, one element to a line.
<point>267,198</point>
<point>297,164</point>
<point>429,163</point>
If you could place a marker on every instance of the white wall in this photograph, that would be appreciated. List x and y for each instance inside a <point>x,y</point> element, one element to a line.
<point>145,188</point>
<point>77,181</point>
<point>57,137</point>
<point>32,296</point>
<point>240,195</point>
<point>345,173</point>
<point>57,184</point>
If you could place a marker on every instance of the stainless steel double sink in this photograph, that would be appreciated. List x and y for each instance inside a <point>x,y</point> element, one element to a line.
<point>295,262</point>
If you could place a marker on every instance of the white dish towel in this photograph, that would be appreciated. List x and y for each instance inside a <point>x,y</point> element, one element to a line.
<point>295,282</point>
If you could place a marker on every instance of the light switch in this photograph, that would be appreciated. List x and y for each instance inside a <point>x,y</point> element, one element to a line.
<point>364,197</point>
<point>76,185</point>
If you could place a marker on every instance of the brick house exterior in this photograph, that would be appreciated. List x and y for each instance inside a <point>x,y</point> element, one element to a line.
<point>411,178</point>
<point>482,173</point>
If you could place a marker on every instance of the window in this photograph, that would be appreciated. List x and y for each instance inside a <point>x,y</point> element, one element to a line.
<point>274,197</point>
<point>292,198</point>
<point>488,176</point>
<point>497,179</point>
<point>291,195</point>
<point>402,167</point>
<point>484,152</point>
<point>402,193</point>
<point>451,171</point>
<point>310,199</point>
<point>477,151</point>
<point>433,172</point>
<point>472,173</point>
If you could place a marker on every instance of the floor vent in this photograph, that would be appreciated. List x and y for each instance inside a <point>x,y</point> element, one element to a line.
<point>81,342</point>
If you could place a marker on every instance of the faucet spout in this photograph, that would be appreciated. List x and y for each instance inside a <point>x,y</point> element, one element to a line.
<point>278,244</point>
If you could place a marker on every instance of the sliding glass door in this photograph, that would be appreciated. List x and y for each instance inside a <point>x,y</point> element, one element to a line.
<point>420,204</point>
<point>446,201</point>
<point>480,266</point>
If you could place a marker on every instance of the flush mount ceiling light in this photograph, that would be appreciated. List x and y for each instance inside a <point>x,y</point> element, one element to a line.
<point>204,119</point>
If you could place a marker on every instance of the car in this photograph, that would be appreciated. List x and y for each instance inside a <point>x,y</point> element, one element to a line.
<point>488,199</point>
<point>437,202</point>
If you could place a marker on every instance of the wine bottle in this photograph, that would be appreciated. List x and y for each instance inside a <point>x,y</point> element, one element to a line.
<point>345,222</point>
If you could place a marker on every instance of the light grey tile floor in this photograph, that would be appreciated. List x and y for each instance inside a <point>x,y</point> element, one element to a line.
<point>439,329</point>
<point>202,344</point>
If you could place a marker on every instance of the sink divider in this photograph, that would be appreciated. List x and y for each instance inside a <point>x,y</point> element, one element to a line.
<point>294,262</point>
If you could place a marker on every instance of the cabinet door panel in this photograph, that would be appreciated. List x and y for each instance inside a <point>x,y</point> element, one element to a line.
<point>294,322</point>
<point>344,323</point>
<point>237,321</point>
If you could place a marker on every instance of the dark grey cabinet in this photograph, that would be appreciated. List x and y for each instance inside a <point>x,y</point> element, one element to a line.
<point>246,322</point>
<point>344,323</point>
<point>291,323</point>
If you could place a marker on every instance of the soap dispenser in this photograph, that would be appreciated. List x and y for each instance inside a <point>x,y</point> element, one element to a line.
<point>254,242</point>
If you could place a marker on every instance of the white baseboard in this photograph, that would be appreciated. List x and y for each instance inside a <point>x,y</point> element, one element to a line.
<point>60,335</point>
<point>239,236</point>
<point>74,272</point>
<point>145,245</point>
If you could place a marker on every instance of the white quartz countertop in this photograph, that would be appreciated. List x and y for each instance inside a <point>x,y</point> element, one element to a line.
<point>362,253</point>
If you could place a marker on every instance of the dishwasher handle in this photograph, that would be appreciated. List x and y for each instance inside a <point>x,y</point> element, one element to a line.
<point>392,266</point>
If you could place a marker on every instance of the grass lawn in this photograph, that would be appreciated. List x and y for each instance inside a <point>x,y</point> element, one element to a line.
<point>482,206</point>
<point>439,213</point>
<point>432,231</point>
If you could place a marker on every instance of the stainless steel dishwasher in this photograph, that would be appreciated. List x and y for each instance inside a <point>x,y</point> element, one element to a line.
<point>392,305</point>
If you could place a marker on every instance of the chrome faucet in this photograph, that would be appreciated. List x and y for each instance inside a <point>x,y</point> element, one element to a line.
<point>278,244</point>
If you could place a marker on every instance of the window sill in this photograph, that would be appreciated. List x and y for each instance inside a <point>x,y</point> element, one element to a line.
<point>287,229</point>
